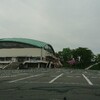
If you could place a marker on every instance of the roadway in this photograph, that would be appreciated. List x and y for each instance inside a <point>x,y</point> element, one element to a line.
<point>49,84</point>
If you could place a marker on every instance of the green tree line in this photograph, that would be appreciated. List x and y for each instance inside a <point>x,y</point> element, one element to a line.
<point>77,58</point>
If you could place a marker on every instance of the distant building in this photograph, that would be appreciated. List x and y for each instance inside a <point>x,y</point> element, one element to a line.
<point>28,53</point>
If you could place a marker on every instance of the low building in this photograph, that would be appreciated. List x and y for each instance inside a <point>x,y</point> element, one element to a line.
<point>28,53</point>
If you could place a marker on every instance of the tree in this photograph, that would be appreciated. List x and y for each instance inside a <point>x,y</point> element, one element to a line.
<point>98,58</point>
<point>65,55</point>
<point>85,55</point>
<point>82,56</point>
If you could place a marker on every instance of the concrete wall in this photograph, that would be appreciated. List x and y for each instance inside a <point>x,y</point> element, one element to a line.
<point>15,52</point>
<point>20,52</point>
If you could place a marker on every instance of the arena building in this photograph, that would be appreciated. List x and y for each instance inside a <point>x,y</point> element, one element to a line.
<point>26,53</point>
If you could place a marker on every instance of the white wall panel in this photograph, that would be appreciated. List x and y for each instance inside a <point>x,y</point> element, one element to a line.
<point>20,52</point>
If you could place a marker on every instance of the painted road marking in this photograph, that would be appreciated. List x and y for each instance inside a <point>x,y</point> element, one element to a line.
<point>77,76</point>
<point>85,72</point>
<point>71,71</point>
<point>13,75</point>
<point>95,77</point>
<point>89,82</point>
<point>24,78</point>
<point>70,76</point>
<point>55,78</point>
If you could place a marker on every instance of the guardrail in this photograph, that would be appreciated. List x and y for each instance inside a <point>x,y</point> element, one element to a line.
<point>91,66</point>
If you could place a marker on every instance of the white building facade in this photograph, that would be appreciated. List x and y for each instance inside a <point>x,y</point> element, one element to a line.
<point>27,52</point>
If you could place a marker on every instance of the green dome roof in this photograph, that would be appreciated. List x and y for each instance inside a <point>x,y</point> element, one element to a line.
<point>25,40</point>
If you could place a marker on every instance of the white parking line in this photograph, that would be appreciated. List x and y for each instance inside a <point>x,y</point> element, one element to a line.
<point>95,77</point>
<point>70,76</point>
<point>90,83</point>
<point>71,71</point>
<point>24,78</point>
<point>73,76</point>
<point>77,76</point>
<point>55,78</point>
<point>19,74</point>
<point>13,75</point>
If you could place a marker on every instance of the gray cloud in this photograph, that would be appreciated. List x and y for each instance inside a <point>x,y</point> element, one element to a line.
<point>62,23</point>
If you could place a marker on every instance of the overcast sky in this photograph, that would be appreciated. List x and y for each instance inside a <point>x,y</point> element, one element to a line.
<point>61,23</point>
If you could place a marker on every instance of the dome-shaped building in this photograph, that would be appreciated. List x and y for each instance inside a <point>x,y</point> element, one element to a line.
<point>26,52</point>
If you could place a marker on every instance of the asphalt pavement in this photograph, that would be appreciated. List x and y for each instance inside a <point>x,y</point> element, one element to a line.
<point>49,84</point>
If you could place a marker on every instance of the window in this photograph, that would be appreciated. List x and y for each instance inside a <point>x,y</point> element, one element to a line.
<point>49,49</point>
<point>15,45</point>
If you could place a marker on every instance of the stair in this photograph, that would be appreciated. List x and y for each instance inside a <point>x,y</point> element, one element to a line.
<point>12,65</point>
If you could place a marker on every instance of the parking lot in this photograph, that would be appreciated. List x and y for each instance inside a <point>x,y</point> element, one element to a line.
<point>54,84</point>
